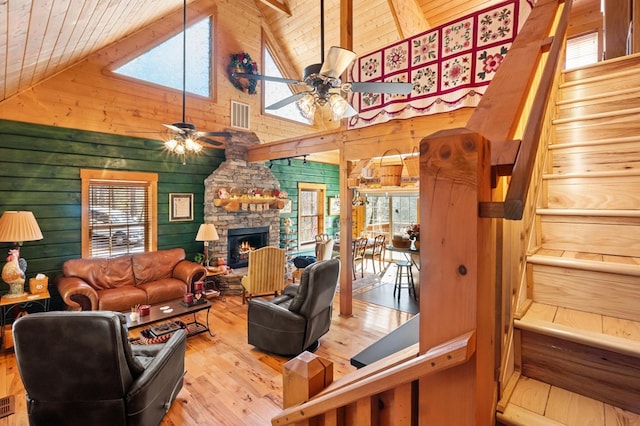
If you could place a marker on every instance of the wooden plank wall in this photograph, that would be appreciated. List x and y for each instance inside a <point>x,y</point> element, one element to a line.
<point>312,172</point>
<point>88,96</point>
<point>41,172</point>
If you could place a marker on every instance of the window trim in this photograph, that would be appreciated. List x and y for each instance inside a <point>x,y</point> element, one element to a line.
<point>153,41</point>
<point>150,180</point>
<point>321,188</point>
<point>286,72</point>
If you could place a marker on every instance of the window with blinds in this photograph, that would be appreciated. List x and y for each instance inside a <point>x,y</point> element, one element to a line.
<point>582,50</point>
<point>117,217</point>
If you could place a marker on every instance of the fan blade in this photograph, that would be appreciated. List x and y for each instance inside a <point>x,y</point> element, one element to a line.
<point>380,87</point>
<point>209,142</point>
<point>338,59</point>
<point>219,134</point>
<point>287,101</point>
<point>265,77</point>
<point>173,128</point>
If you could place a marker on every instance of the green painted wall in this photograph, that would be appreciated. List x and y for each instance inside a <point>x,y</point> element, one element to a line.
<point>40,171</point>
<point>311,172</point>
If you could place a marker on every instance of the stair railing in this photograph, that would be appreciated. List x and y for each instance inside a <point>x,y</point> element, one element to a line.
<point>461,266</point>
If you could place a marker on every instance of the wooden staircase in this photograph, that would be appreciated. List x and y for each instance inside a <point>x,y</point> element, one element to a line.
<point>578,333</point>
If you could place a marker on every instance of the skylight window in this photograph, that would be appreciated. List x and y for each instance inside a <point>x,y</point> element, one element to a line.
<point>163,64</point>
<point>274,92</point>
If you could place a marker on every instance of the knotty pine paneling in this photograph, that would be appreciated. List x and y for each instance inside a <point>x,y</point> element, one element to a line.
<point>88,97</point>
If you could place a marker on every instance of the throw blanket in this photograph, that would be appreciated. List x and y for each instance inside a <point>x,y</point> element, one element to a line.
<point>450,66</point>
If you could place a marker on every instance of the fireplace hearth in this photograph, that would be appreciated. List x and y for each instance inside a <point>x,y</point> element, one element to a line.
<point>241,241</point>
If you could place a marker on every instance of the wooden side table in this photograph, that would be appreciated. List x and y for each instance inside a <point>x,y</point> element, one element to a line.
<point>210,284</point>
<point>28,302</point>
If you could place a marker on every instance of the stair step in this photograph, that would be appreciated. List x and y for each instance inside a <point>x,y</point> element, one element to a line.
<point>535,403</point>
<point>559,145</point>
<point>611,190</point>
<point>593,355</point>
<point>601,288</point>
<point>596,158</point>
<point>602,70</point>
<point>599,103</point>
<point>623,123</point>
<point>609,235</point>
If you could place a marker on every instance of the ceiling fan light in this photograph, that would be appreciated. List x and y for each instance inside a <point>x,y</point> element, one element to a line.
<point>307,106</point>
<point>179,149</point>
<point>171,144</point>
<point>338,106</point>
<point>191,145</point>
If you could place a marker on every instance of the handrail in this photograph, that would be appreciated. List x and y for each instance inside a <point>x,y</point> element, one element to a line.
<point>449,354</point>
<point>513,205</point>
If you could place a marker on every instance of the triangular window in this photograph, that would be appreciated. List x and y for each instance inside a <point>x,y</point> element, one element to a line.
<point>274,92</point>
<point>163,64</point>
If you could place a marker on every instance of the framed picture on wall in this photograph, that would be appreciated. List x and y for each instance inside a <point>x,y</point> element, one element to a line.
<point>334,206</point>
<point>180,207</point>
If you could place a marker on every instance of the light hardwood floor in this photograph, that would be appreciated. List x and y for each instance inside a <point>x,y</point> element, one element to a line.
<point>228,381</point>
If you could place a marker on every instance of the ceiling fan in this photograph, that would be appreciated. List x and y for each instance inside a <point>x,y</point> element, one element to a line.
<point>183,137</point>
<point>325,85</point>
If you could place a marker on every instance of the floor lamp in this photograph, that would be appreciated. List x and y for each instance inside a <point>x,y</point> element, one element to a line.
<point>207,232</point>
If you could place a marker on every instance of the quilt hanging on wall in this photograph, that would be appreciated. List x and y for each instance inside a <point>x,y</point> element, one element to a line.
<point>450,66</point>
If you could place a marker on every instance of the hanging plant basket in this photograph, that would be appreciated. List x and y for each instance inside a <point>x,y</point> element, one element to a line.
<point>242,63</point>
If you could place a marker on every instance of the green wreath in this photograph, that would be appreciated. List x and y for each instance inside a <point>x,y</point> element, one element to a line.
<point>242,62</point>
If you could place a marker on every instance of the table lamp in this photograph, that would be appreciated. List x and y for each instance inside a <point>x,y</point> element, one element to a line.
<point>207,232</point>
<point>17,227</point>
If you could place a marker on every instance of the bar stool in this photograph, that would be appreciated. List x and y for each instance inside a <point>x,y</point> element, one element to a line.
<point>403,270</point>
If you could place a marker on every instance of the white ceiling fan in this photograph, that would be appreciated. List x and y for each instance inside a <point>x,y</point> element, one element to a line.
<point>325,85</point>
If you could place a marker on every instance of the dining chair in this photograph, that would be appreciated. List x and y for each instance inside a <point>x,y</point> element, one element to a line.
<point>359,247</point>
<point>376,252</point>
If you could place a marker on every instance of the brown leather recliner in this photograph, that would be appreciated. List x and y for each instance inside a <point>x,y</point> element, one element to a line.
<point>294,322</point>
<point>78,368</point>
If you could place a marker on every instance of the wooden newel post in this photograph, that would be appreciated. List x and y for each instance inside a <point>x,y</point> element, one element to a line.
<point>303,377</point>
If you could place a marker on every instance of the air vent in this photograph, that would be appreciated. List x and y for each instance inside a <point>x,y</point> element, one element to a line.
<point>7,406</point>
<point>239,115</point>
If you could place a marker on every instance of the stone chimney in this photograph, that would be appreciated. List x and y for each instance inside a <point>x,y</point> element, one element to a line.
<point>235,174</point>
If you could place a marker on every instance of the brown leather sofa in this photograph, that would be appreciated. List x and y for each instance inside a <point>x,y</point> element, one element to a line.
<point>119,283</point>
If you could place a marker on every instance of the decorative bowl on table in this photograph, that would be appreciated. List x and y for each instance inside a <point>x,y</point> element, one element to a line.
<point>398,242</point>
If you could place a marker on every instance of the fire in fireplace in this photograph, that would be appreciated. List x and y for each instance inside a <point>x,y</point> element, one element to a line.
<point>241,241</point>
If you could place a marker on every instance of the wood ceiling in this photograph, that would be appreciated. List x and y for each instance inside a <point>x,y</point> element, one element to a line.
<point>41,38</point>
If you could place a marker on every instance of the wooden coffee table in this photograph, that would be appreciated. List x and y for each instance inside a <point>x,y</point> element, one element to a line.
<point>175,308</point>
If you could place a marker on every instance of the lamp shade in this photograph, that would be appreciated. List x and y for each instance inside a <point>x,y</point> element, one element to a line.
<point>207,232</point>
<point>19,226</point>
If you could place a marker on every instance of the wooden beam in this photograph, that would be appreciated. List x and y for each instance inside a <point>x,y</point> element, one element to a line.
<point>276,5</point>
<point>295,147</point>
<point>408,17</point>
<point>366,142</point>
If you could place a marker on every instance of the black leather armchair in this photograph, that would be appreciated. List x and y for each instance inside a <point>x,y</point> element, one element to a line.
<point>293,322</point>
<point>78,368</point>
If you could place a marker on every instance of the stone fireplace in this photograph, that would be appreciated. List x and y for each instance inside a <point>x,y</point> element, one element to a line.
<point>236,174</point>
<point>240,241</point>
